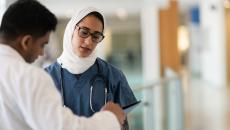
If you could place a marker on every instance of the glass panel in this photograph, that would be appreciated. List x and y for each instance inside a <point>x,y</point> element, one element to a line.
<point>169,116</point>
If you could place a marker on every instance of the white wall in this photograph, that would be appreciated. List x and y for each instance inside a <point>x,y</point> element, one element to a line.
<point>153,118</point>
<point>2,8</point>
<point>213,60</point>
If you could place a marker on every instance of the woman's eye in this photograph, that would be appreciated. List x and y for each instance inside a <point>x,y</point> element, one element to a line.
<point>84,32</point>
<point>96,36</point>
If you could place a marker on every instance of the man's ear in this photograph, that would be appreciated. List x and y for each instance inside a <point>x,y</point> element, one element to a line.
<point>26,42</point>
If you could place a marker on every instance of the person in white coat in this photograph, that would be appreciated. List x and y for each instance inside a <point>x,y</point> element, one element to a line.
<point>28,97</point>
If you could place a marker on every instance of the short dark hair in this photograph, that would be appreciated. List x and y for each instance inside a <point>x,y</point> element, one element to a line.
<point>27,17</point>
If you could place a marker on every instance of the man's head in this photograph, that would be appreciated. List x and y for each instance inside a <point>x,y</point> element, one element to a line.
<point>26,26</point>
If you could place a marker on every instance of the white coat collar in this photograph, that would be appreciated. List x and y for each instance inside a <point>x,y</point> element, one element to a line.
<point>6,50</point>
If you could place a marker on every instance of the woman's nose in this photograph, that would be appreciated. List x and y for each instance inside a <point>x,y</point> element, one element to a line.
<point>89,40</point>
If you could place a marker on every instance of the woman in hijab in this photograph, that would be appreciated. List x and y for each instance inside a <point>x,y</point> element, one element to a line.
<point>85,81</point>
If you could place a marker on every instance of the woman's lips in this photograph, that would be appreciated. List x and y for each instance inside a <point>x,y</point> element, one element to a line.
<point>85,49</point>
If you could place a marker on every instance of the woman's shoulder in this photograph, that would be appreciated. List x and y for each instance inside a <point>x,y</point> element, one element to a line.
<point>109,68</point>
<point>53,69</point>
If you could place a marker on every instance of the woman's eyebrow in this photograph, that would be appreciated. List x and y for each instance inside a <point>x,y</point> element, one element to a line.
<point>88,29</point>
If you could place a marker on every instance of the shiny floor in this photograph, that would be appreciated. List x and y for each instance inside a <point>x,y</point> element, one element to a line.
<point>207,107</point>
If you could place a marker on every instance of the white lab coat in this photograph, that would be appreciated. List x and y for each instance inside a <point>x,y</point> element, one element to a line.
<point>30,101</point>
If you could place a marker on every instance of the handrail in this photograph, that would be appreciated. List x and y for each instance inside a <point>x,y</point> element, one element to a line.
<point>155,84</point>
<point>162,104</point>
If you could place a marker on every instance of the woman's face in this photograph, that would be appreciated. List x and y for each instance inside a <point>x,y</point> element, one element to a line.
<point>83,47</point>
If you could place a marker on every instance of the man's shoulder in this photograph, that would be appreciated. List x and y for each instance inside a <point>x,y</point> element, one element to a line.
<point>29,71</point>
<point>36,70</point>
<point>20,71</point>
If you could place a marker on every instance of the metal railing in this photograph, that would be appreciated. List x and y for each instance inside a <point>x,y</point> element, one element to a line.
<point>161,107</point>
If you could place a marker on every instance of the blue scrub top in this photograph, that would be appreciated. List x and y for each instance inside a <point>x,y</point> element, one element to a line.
<point>77,87</point>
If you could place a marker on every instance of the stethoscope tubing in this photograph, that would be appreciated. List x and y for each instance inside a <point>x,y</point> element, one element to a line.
<point>91,86</point>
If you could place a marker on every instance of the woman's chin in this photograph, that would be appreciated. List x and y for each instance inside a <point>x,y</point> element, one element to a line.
<point>84,55</point>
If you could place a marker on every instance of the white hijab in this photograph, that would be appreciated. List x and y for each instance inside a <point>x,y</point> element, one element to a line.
<point>68,59</point>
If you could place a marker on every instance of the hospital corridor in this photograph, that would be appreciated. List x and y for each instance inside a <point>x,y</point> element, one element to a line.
<point>172,55</point>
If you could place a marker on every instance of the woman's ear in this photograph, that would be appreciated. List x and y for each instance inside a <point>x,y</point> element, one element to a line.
<point>26,42</point>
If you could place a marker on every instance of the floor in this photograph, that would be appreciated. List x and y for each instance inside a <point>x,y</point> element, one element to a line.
<point>207,107</point>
